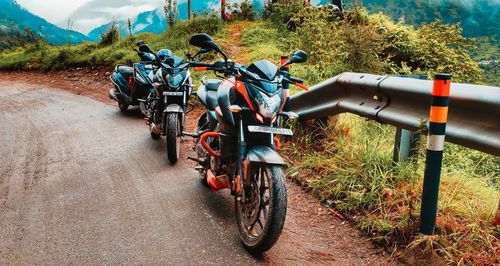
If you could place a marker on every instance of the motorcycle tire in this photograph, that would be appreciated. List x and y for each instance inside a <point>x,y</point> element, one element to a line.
<point>173,141</point>
<point>272,178</point>
<point>122,106</point>
<point>155,136</point>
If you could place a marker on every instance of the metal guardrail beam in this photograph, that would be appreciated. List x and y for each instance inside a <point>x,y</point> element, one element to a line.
<point>474,112</point>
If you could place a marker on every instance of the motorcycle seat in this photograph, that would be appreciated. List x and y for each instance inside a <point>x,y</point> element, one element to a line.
<point>126,71</point>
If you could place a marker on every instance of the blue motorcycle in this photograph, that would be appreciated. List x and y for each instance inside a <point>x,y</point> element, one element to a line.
<point>166,106</point>
<point>132,85</point>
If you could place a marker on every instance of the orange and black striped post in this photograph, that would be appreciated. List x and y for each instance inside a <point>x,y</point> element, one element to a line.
<point>434,159</point>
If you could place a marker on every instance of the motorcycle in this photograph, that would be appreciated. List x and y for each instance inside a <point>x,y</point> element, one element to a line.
<point>166,105</point>
<point>236,141</point>
<point>132,85</point>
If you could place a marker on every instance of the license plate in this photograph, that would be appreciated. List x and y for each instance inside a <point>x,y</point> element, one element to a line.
<point>173,93</point>
<point>274,130</point>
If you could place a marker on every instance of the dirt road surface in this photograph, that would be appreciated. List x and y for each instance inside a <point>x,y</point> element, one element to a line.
<point>81,183</point>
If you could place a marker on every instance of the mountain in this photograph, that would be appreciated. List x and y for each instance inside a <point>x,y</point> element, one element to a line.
<point>477,17</point>
<point>15,18</point>
<point>150,21</point>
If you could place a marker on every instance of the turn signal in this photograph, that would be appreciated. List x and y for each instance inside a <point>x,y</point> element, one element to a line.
<point>235,108</point>
<point>259,118</point>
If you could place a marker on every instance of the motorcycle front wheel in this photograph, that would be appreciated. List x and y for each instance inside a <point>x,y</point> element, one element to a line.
<point>172,135</point>
<point>261,215</point>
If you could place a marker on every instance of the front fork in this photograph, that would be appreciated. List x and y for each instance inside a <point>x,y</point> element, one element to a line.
<point>243,175</point>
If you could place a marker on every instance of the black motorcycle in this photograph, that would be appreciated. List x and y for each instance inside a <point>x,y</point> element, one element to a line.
<point>166,105</point>
<point>237,146</point>
<point>132,85</point>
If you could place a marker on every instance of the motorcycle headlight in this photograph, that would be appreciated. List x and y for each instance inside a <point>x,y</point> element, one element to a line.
<point>268,106</point>
<point>174,81</point>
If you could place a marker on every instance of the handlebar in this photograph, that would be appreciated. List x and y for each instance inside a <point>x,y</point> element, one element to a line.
<point>295,80</point>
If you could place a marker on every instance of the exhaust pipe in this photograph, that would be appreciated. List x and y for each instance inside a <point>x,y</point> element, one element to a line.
<point>113,95</point>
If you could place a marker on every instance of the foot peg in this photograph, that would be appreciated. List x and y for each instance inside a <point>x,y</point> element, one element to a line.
<point>190,134</point>
<point>195,159</point>
<point>217,182</point>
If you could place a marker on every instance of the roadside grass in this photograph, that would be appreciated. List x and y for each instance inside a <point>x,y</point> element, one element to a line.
<point>348,165</point>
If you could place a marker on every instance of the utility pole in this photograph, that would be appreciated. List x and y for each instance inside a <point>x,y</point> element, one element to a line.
<point>190,16</point>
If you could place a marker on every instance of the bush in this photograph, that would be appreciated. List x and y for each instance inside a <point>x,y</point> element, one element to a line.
<point>243,11</point>
<point>111,35</point>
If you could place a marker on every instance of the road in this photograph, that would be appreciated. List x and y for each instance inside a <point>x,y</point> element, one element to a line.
<point>81,183</point>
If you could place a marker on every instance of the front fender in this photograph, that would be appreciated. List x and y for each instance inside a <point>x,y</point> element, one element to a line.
<point>264,154</point>
<point>173,108</point>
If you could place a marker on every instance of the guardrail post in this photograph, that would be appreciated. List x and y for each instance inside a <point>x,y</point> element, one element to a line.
<point>405,146</point>
<point>434,158</point>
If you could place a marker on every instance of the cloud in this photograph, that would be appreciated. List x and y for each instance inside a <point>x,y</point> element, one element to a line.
<point>106,10</point>
<point>54,11</point>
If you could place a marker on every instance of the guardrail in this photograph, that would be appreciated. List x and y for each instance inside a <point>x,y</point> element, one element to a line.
<point>474,112</point>
<point>465,114</point>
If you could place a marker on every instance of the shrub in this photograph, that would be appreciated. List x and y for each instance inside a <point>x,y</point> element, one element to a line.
<point>111,35</point>
<point>243,11</point>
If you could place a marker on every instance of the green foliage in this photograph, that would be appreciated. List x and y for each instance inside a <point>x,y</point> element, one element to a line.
<point>362,42</point>
<point>243,11</point>
<point>11,37</point>
<point>111,35</point>
<point>487,54</point>
<point>476,17</point>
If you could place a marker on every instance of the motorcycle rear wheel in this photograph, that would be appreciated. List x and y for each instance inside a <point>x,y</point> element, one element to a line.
<point>173,139</point>
<point>261,217</point>
<point>122,106</point>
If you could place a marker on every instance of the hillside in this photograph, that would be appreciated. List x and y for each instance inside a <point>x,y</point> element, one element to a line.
<point>477,17</point>
<point>15,18</point>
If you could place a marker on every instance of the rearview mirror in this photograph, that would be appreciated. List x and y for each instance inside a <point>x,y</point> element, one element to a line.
<point>298,57</point>
<point>201,51</point>
<point>145,49</point>
<point>206,43</point>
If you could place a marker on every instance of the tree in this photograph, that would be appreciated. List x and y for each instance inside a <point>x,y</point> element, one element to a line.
<point>170,9</point>
<point>129,27</point>
<point>68,29</point>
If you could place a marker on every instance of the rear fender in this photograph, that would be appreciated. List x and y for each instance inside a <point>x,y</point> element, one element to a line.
<point>120,82</point>
<point>264,154</point>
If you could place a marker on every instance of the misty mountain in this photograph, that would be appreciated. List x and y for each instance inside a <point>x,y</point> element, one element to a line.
<point>14,18</point>
<point>477,17</point>
<point>154,21</point>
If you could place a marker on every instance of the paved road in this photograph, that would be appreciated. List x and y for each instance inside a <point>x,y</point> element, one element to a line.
<point>81,183</point>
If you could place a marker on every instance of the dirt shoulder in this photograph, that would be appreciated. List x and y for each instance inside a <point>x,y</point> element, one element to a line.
<point>89,82</point>
<point>313,234</point>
